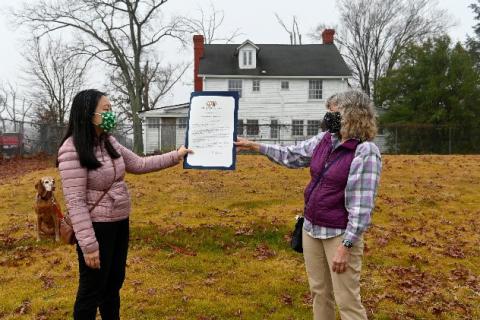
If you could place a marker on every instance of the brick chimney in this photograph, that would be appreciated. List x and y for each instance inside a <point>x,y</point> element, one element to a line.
<point>198,49</point>
<point>327,36</point>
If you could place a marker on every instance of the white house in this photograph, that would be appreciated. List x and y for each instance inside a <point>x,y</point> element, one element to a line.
<point>164,128</point>
<point>283,89</point>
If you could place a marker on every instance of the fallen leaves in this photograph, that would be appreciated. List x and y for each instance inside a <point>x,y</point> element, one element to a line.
<point>414,257</point>
<point>307,299</point>
<point>286,299</point>
<point>47,281</point>
<point>462,275</point>
<point>244,231</point>
<point>151,291</point>
<point>211,280</point>
<point>421,262</point>
<point>382,241</point>
<point>24,308</point>
<point>415,283</point>
<point>201,317</point>
<point>17,167</point>
<point>413,242</point>
<point>263,252</point>
<point>454,252</point>
<point>180,250</point>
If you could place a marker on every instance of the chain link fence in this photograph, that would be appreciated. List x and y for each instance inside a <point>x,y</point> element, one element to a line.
<point>25,138</point>
<point>399,139</point>
<point>430,139</point>
<point>392,139</point>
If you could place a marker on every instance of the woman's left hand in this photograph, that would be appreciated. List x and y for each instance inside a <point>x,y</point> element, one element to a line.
<point>244,144</point>
<point>182,151</point>
<point>340,260</point>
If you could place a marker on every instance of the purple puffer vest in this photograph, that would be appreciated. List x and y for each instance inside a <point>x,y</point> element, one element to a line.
<point>325,196</point>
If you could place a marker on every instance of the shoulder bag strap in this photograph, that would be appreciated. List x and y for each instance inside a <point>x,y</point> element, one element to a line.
<point>108,189</point>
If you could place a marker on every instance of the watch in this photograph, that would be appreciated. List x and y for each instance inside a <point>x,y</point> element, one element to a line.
<point>347,243</point>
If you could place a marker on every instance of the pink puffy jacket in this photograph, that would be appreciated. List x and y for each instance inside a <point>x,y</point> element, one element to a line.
<point>82,187</point>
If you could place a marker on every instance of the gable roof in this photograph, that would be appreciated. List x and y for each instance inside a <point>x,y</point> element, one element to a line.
<point>245,43</point>
<point>276,60</point>
<point>166,108</point>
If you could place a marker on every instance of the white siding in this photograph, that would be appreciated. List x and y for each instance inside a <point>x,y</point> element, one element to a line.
<point>270,103</point>
<point>153,136</point>
<point>273,103</point>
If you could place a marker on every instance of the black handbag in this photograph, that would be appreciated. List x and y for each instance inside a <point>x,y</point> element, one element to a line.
<point>296,242</point>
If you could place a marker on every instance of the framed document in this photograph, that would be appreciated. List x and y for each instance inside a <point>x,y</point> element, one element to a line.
<point>211,130</point>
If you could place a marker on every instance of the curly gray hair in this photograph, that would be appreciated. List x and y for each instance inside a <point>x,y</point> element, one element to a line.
<point>333,100</point>
<point>358,115</point>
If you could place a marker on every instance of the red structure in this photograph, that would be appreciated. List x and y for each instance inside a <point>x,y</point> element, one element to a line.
<point>10,144</point>
<point>198,48</point>
<point>327,36</point>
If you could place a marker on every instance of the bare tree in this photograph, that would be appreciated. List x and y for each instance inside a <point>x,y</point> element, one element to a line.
<point>15,108</point>
<point>54,79</point>
<point>121,33</point>
<point>293,32</point>
<point>373,33</point>
<point>3,107</point>
<point>158,81</point>
<point>208,23</point>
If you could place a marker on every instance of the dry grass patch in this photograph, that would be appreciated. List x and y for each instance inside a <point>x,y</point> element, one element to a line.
<point>214,245</point>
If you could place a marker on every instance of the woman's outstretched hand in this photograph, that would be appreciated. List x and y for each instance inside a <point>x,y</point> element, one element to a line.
<point>244,144</point>
<point>182,151</point>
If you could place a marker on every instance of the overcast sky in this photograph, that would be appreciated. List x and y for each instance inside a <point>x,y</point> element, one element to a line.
<point>254,18</point>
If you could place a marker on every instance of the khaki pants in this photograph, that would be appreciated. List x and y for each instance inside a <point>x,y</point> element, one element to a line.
<point>328,286</point>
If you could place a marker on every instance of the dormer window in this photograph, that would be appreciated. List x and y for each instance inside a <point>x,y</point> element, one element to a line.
<point>247,55</point>
<point>247,58</point>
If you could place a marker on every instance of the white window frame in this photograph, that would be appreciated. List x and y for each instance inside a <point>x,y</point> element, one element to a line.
<point>256,85</point>
<point>313,127</point>
<point>274,129</point>
<point>182,123</point>
<point>153,122</point>
<point>254,125</point>
<point>240,127</point>
<point>296,126</point>
<point>285,88</point>
<point>236,87</point>
<point>315,89</point>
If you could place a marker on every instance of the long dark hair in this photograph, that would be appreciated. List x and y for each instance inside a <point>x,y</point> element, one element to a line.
<point>82,129</point>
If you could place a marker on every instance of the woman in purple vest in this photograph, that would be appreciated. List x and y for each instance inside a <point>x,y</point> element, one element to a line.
<point>345,167</point>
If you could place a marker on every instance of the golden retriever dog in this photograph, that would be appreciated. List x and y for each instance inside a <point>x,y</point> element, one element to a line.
<point>47,210</point>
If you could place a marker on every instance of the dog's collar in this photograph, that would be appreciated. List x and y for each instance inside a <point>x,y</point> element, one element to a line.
<point>46,196</point>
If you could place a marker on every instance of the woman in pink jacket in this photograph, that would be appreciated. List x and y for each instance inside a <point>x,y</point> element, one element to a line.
<point>92,166</point>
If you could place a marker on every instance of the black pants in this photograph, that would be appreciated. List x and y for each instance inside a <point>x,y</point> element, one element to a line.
<point>100,288</point>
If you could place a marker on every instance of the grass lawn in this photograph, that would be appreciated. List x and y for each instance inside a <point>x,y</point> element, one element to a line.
<point>214,245</point>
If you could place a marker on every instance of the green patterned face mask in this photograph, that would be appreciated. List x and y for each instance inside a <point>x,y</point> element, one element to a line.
<point>109,121</point>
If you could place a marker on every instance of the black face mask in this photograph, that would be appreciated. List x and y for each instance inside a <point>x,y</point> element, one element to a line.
<point>332,121</point>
